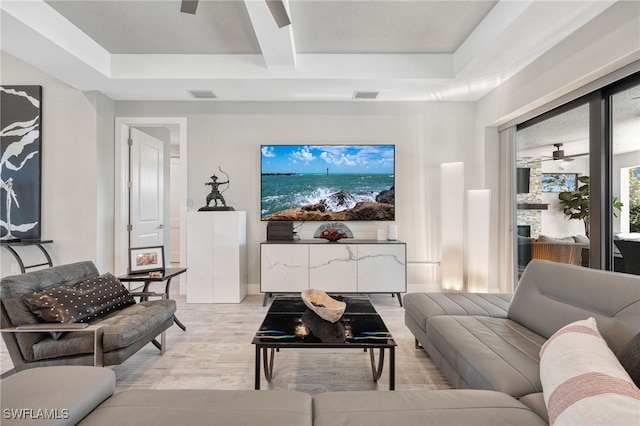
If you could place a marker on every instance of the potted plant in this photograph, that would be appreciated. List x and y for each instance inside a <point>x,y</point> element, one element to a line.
<point>575,204</point>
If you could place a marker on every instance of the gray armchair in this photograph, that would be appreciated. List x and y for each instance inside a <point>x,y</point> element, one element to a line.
<point>107,339</point>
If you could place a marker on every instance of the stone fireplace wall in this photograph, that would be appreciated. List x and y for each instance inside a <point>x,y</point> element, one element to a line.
<point>531,217</point>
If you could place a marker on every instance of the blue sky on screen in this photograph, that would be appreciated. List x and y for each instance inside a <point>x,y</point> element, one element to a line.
<point>337,158</point>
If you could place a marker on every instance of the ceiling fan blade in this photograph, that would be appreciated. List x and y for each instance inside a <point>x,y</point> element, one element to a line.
<point>189,6</point>
<point>279,12</point>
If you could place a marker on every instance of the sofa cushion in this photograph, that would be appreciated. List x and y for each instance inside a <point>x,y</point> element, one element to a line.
<point>486,353</point>
<point>535,402</point>
<point>547,239</point>
<point>630,358</point>
<point>581,239</point>
<point>59,395</point>
<point>421,407</point>
<point>203,407</point>
<point>422,306</point>
<point>583,382</point>
<point>121,329</point>
<point>551,295</point>
<point>81,302</point>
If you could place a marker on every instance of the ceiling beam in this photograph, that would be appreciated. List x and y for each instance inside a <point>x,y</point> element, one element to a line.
<point>41,21</point>
<point>277,44</point>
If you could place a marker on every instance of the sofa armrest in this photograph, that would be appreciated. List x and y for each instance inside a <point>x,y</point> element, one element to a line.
<point>97,331</point>
<point>55,395</point>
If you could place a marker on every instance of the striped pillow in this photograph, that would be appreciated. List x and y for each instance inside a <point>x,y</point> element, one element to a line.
<point>583,382</point>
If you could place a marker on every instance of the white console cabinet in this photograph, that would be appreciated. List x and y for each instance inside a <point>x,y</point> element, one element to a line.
<point>216,256</point>
<point>353,266</point>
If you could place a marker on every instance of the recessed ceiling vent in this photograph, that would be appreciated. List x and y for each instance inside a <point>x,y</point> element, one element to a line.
<point>202,94</point>
<point>365,95</point>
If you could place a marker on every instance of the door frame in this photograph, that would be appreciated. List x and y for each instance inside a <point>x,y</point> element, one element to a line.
<point>121,199</point>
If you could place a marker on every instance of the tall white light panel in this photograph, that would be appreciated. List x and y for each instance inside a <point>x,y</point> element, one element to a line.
<point>452,225</point>
<point>478,206</point>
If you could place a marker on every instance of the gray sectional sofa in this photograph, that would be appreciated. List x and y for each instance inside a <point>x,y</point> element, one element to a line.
<point>488,343</point>
<point>85,396</point>
<point>493,341</point>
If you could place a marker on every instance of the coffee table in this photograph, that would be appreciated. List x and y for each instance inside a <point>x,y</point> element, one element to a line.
<point>289,324</point>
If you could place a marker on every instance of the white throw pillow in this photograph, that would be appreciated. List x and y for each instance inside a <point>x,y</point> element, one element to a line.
<point>583,382</point>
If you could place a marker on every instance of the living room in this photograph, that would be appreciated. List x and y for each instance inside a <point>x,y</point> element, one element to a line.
<point>228,134</point>
<point>81,179</point>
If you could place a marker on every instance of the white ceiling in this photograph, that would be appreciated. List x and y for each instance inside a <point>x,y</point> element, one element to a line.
<point>405,50</point>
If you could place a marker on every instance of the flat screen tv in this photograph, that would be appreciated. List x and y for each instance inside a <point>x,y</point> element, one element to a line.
<point>327,182</point>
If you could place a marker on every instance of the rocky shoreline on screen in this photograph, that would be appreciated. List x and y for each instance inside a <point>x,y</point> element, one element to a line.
<point>382,209</point>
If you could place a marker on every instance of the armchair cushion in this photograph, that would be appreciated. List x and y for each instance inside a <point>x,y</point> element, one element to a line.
<point>120,329</point>
<point>81,302</point>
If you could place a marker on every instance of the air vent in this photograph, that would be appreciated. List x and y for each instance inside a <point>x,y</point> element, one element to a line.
<point>365,95</point>
<point>202,94</point>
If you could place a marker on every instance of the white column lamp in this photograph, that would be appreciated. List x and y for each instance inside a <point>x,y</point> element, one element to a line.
<point>452,226</point>
<point>478,207</point>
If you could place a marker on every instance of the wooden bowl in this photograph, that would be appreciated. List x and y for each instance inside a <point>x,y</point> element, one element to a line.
<point>323,305</point>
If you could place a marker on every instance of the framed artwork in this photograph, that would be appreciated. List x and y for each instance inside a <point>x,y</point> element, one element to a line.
<point>20,162</point>
<point>559,182</point>
<point>146,259</point>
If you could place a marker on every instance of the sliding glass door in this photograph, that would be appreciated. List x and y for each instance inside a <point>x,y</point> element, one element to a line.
<point>625,177</point>
<point>553,181</point>
<point>578,181</point>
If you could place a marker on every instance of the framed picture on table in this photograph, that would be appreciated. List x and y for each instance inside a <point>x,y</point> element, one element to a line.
<point>146,259</point>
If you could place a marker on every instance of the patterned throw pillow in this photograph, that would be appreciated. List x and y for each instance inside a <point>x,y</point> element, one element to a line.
<point>583,382</point>
<point>629,357</point>
<point>81,302</point>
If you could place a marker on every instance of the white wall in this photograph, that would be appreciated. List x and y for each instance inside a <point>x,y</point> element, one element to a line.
<point>77,169</point>
<point>229,135</point>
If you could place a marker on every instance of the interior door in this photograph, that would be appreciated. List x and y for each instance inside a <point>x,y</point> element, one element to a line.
<point>146,190</point>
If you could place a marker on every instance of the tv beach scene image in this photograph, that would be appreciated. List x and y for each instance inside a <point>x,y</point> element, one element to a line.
<point>327,182</point>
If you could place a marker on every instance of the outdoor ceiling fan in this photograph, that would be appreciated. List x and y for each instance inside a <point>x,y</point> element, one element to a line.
<point>276,7</point>
<point>558,154</point>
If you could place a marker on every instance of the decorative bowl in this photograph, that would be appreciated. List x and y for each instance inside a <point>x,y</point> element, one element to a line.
<point>333,231</point>
<point>323,305</point>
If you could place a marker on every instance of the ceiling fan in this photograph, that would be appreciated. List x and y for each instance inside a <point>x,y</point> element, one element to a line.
<point>558,154</point>
<point>276,7</point>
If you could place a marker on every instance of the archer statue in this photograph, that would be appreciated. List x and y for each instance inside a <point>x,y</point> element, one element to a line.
<point>215,193</point>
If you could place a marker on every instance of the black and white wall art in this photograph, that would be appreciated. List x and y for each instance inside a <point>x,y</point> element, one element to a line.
<point>20,162</point>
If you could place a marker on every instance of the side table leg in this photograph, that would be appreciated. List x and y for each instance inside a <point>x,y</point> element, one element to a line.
<point>175,319</point>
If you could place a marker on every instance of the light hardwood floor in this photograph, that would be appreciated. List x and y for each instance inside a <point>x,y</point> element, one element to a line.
<point>215,352</point>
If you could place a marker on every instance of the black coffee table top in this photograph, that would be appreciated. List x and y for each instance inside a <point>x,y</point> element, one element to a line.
<point>290,323</point>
